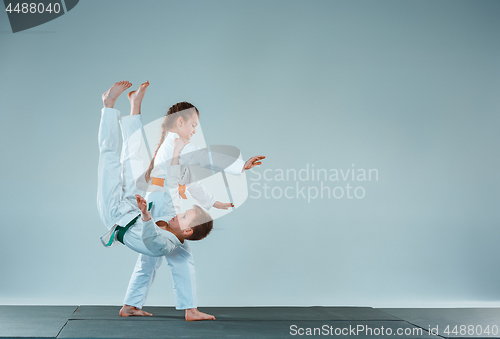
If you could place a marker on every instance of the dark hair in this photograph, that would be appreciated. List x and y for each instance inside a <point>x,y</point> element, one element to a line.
<point>201,225</point>
<point>182,109</point>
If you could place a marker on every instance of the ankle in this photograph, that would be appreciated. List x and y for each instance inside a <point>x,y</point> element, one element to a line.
<point>108,103</point>
<point>135,110</point>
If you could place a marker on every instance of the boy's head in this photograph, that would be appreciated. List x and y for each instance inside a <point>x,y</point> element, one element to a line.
<point>194,224</point>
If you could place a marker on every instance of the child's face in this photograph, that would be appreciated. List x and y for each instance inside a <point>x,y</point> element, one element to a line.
<point>182,221</point>
<point>186,129</point>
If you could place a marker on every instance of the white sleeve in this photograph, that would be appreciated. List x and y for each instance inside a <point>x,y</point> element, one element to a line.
<point>236,168</point>
<point>192,156</point>
<point>201,195</point>
<point>157,242</point>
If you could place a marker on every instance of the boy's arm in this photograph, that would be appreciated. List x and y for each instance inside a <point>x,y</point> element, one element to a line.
<point>143,206</point>
<point>158,244</point>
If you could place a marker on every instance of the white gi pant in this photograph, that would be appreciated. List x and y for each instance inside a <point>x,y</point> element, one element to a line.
<point>117,204</point>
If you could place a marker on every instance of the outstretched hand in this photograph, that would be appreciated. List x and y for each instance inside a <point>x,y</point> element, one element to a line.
<point>223,206</point>
<point>143,206</point>
<point>253,161</point>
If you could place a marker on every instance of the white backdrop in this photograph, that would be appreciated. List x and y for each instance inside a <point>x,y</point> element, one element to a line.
<point>409,89</point>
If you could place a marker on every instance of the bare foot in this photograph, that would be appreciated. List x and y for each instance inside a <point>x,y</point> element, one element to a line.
<point>193,314</point>
<point>136,97</point>
<point>109,97</point>
<point>128,311</point>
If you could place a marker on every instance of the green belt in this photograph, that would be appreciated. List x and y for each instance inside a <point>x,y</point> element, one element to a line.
<point>120,230</point>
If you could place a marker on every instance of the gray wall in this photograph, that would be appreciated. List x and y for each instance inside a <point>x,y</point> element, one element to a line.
<point>410,89</point>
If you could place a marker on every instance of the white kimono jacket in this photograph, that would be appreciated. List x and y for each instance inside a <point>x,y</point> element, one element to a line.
<point>145,236</point>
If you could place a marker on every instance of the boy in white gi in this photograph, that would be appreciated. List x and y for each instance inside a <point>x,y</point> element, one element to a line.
<point>180,122</point>
<point>117,199</point>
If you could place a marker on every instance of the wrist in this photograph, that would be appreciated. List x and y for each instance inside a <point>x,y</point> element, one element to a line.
<point>146,216</point>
